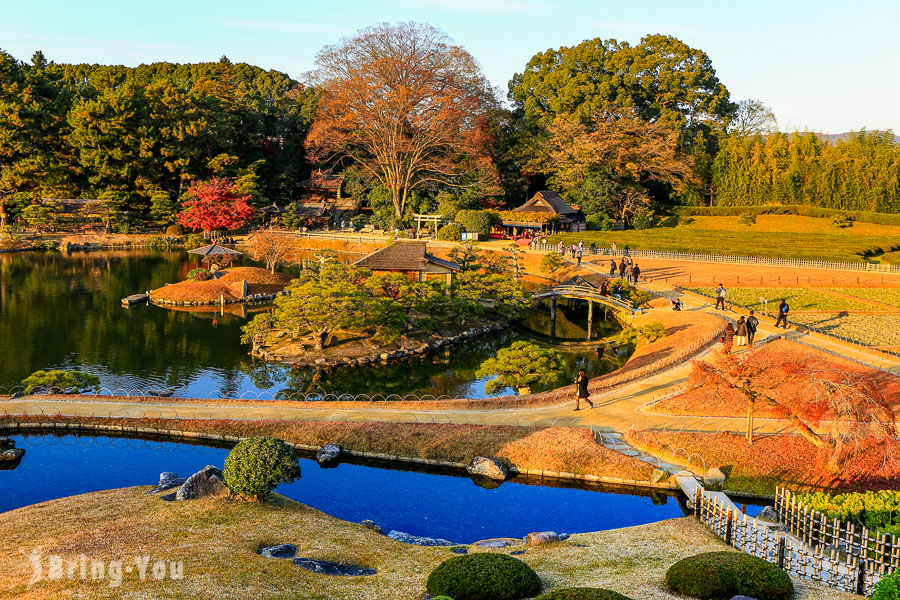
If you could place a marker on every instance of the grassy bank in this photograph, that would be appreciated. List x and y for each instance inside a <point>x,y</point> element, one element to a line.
<point>559,449</point>
<point>772,236</point>
<point>217,540</point>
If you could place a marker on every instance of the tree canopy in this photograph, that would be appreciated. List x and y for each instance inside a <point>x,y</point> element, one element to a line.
<point>406,106</point>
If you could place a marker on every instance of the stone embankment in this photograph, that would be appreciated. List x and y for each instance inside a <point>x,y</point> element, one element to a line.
<point>249,299</point>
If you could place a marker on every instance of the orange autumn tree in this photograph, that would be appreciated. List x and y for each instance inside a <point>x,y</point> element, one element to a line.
<point>405,105</point>
<point>848,408</point>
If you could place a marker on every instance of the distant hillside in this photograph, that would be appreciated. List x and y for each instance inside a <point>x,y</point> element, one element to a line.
<point>833,137</point>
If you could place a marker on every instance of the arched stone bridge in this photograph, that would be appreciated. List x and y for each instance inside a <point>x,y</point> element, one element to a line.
<point>578,288</point>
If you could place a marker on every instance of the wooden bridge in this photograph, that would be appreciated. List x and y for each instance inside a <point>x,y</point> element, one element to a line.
<point>578,288</point>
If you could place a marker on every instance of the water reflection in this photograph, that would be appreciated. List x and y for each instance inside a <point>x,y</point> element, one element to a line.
<point>63,311</point>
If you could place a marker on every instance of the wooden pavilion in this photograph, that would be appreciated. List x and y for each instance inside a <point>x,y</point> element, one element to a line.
<point>411,258</point>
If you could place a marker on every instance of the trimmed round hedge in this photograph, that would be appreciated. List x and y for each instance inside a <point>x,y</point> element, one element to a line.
<point>256,466</point>
<point>722,575</point>
<point>483,576</point>
<point>450,233</point>
<point>582,593</point>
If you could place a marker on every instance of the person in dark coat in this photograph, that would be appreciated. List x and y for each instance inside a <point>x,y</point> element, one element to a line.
<point>783,310</point>
<point>720,297</point>
<point>612,267</point>
<point>604,288</point>
<point>740,332</point>
<point>635,272</point>
<point>581,389</point>
<point>752,325</point>
<point>622,268</point>
<point>728,337</point>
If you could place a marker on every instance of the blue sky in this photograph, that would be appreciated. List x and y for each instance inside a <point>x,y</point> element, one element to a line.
<point>825,66</point>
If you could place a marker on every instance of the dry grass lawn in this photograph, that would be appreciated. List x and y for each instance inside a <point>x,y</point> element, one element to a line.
<point>218,539</point>
<point>259,281</point>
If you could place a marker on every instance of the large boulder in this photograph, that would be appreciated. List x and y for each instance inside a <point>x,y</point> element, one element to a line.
<point>768,515</point>
<point>407,538</point>
<point>7,443</point>
<point>487,467</point>
<point>205,483</point>
<point>659,475</point>
<point>279,551</point>
<point>328,453</point>
<point>714,479</point>
<point>11,454</point>
<point>539,538</point>
<point>370,524</point>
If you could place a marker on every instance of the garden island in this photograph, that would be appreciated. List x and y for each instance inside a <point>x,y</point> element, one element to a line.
<point>379,334</point>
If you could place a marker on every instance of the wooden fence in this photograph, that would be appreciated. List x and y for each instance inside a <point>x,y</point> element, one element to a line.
<point>816,529</point>
<point>847,573</point>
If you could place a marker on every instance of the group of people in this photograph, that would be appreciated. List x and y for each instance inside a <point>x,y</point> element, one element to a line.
<point>575,251</point>
<point>783,308</point>
<point>626,268</point>
<point>742,334</point>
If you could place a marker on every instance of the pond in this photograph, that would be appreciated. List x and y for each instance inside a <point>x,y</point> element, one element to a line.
<point>449,506</point>
<point>63,312</point>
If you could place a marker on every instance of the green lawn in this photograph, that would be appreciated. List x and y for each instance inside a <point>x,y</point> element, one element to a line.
<point>799,299</point>
<point>884,295</point>
<point>811,246</point>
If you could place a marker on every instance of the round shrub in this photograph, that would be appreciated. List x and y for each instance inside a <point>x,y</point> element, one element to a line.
<point>450,233</point>
<point>199,274</point>
<point>483,576</point>
<point>582,593</point>
<point>174,230</point>
<point>888,588</point>
<point>715,575</point>
<point>256,466</point>
<point>476,221</point>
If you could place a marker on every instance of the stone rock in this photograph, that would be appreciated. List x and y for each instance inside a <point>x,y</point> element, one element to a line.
<point>517,552</point>
<point>17,395</point>
<point>328,453</point>
<point>564,536</point>
<point>539,538</point>
<point>459,550</point>
<point>768,515</point>
<point>369,524</point>
<point>487,467</point>
<point>742,598</point>
<point>659,475</point>
<point>7,443</point>
<point>206,482</point>
<point>714,479</point>
<point>167,481</point>
<point>11,454</point>
<point>493,544</point>
<point>330,568</point>
<point>321,361</point>
<point>279,551</point>
<point>384,356</point>
<point>407,538</point>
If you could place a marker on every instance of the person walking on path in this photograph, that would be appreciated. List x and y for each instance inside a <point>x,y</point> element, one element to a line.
<point>783,310</point>
<point>581,385</point>
<point>752,324</point>
<point>635,272</point>
<point>720,297</point>
<point>612,268</point>
<point>740,333</point>
<point>728,337</point>
<point>578,257</point>
<point>622,269</point>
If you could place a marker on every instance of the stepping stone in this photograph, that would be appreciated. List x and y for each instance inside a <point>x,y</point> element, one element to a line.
<point>493,544</point>
<point>517,553</point>
<point>330,568</point>
<point>279,551</point>
<point>459,550</point>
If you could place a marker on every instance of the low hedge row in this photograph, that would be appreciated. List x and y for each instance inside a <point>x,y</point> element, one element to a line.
<point>788,209</point>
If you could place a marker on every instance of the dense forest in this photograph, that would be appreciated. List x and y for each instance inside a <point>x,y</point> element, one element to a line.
<point>620,130</point>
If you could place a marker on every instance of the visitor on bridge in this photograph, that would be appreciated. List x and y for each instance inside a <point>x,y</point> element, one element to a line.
<point>783,310</point>
<point>720,297</point>
<point>752,324</point>
<point>581,389</point>
<point>740,334</point>
<point>604,287</point>
<point>635,273</point>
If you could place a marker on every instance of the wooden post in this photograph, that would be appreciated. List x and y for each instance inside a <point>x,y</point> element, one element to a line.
<point>781,552</point>
<point>698,498</point>
<point>729,525</point>
<point>861,577</point>
<point>590,318</point>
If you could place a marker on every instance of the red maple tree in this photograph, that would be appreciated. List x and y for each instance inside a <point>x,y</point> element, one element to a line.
<point>214,204</point>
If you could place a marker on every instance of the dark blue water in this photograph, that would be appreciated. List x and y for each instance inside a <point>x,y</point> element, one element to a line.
<point>428,504</point>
